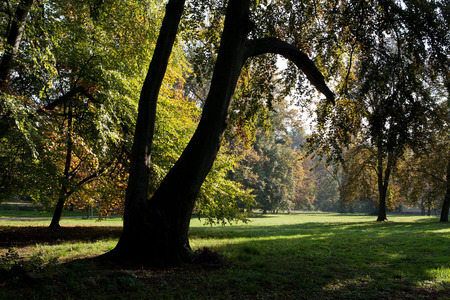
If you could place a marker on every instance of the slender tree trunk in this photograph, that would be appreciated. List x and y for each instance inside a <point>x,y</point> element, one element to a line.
<point>446,204</point>
<point>13,39</point>
<point>54,224</point>
<point>64,192</point>
<point>382,186</point>
<point>145,124</point>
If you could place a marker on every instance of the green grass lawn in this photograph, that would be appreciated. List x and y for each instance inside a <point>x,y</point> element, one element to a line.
<point>297,256</point>
<point>33,212</point>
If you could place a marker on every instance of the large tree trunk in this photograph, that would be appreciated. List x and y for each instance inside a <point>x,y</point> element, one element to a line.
<point>155,231</point>
<point>446,204</point>
<point>13,39</point>
<point>137,190</point>
<point>382,207</point>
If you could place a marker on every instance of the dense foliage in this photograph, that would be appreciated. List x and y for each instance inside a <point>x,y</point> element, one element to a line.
<point>70,101</point>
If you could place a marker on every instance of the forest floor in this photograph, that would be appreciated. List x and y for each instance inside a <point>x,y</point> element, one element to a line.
<point>296,256</point>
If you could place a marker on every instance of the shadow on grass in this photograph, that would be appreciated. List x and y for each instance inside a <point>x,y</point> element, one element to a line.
<point>315,228</point>
<point>20,236</point>
<point>344,267</point>
<point>350,260</point>
<point>346,260</point>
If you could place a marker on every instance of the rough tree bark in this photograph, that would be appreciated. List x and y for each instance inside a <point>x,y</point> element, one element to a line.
<point>156,232</point>
<point>13,39</point>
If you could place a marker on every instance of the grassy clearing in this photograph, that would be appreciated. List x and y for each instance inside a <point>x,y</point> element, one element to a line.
<point>313,256</point>
<point>43,221</point>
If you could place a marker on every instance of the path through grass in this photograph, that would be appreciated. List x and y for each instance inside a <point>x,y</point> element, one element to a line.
<point>310,256</point>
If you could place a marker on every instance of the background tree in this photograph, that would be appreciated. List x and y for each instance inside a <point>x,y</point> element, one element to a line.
<point>270,166</point>
<point>424,174</point>
<point>385,96</point>
<point>306,185</point>
<point>70,102</point>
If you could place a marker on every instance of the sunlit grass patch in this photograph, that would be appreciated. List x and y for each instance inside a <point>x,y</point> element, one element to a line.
<point>440,274</point>
<point>66,221</point>
<point>74,250</point>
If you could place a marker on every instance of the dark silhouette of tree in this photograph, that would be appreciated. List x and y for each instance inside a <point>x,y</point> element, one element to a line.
<point>156,230</point>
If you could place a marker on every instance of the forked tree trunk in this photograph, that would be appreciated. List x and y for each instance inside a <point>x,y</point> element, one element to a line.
<point>155,232</point>
<point>137,189</point>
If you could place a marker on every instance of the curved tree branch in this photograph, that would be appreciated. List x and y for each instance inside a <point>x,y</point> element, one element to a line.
<point>300,59</point>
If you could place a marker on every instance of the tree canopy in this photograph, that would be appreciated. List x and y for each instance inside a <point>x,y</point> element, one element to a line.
<point>386,85</point>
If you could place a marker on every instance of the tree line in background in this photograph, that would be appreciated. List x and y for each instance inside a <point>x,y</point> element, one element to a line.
<point>73,73</point>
